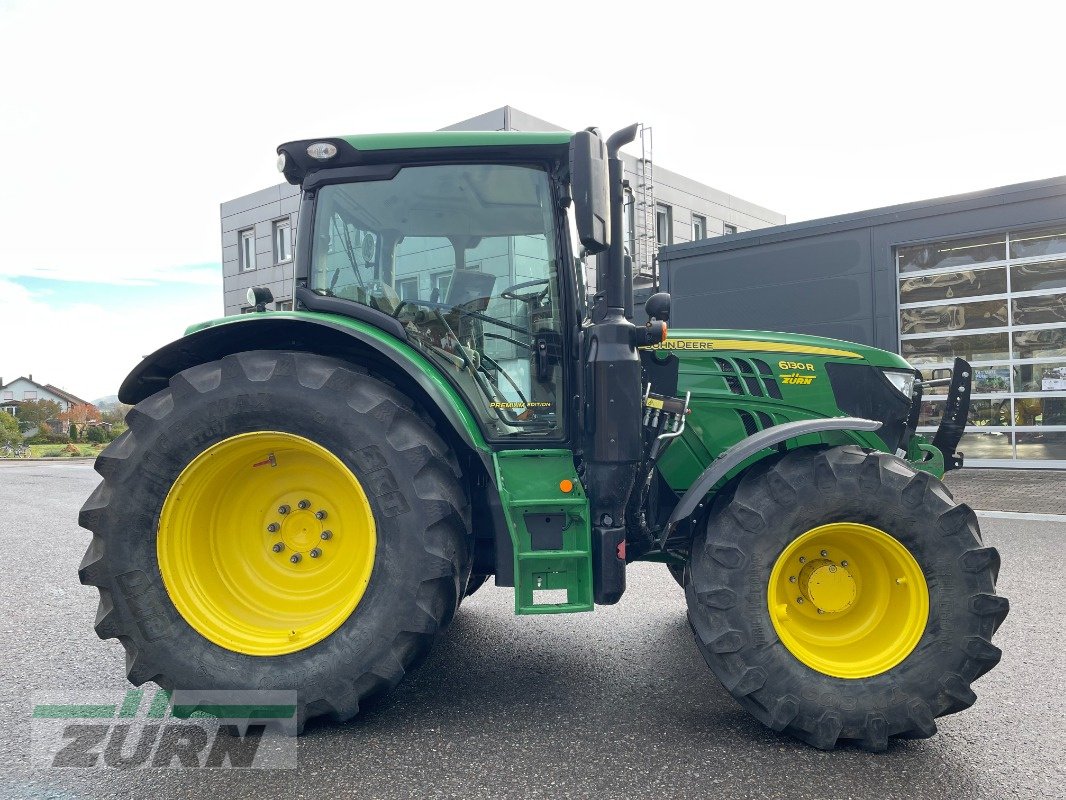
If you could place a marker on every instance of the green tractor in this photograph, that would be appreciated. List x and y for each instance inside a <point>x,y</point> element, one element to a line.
<point>304,498</point>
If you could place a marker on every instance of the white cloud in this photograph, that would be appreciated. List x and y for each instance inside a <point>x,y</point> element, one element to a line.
<point>88,348</point>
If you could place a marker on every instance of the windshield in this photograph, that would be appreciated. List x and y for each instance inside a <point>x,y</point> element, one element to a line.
<point>463,255</point>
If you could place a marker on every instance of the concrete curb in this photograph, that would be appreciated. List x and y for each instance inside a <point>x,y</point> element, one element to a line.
<point>52,460</point>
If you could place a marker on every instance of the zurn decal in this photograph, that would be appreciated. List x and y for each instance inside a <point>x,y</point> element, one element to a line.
<point>796,373</point>
<point>142,729</point>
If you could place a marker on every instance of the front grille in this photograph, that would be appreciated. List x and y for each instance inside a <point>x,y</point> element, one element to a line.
<point>751,427</point>
<point>748,373</point>
<point>772,388</point>
<point>730,375</point>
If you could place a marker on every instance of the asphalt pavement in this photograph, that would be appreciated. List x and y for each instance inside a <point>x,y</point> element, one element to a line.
<point>616,703</point>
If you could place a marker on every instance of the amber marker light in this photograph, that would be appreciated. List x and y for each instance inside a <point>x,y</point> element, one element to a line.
<point>566,485</point>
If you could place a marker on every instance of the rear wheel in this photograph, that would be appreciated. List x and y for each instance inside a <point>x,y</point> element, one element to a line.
<point>277,520</point>
<point>840,594</point>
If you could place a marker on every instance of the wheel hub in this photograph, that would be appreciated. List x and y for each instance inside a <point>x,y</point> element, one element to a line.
<point>299,531</point>
<point>830,587</point>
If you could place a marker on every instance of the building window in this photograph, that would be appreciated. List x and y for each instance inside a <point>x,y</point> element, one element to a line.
<point>439,283</point>
<point>282,241</point>
<point>999,301</point>
<point>407,289</point>
<point>728,229</point>
<point>247,309</point>
<point>246,248</point>
<point>664,224</point>
<point>29,394</point>
<point>283,305</point>
<point>9,395</point>
<point>699,227</point>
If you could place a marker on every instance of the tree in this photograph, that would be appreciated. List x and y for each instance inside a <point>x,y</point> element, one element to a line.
<point>81,414</point>
<point>73,432</point>
<point>96,434</point>
<point>34,413</point>
<point>9,430</point>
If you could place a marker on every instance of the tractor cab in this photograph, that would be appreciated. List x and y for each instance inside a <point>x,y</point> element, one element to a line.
<point>465,257</point>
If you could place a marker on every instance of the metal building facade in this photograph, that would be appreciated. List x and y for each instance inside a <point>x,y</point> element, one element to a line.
<point>980,275</point>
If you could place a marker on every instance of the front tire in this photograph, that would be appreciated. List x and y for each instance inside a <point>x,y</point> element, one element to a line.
<point>197,562</point>
<point>839,594</point>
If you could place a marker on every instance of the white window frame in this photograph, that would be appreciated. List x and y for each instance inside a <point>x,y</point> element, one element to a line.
<point>664,211</point>
<point>435,281</point>
<point>699,227</point>
<point>246,250</point>
<point>282,243</point>
<point>728,229</point>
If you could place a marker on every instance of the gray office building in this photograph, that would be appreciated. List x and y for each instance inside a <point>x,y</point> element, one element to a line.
<point>980,276</point>
<point>258,230</point>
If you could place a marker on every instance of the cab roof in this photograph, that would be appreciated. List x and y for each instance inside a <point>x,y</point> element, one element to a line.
<point>379,148</point>
<point>434,139</point>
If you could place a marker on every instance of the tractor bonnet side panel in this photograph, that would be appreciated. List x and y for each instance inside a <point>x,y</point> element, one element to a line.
<point>745,381</point>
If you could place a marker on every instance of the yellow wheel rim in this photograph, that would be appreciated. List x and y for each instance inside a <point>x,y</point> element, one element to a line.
<point>266,543</point>
<point>848,600</point>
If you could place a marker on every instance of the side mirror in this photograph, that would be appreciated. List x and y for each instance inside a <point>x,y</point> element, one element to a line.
<point>658,306</point>
<point>588,185</point>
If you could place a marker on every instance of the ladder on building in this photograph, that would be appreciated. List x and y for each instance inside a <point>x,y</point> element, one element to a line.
<point>645,241</point>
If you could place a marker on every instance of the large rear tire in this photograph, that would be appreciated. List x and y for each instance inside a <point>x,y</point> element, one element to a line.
<point>277,521</point>
<point>839,594</point>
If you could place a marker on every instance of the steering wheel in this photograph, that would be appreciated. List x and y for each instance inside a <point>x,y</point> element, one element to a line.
<point>528,297</point>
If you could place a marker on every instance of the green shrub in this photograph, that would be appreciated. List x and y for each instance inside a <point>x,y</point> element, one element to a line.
<point>48,438</point>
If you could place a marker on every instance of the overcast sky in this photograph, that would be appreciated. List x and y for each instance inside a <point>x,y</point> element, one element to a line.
<point>124,125</point>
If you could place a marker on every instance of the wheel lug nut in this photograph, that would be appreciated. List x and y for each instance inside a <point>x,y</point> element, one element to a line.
<point>295,558</point>
<point>273,527</point>
<point>283,509</point>
<point>843,563</point>
<point>304,504</point>
<point>327,535</point>
<point>278,547</point>
<point>820,611</point>
<point>799,600</point>
<point>315,553</point>
<point>320,515</point>
<point>824,553</point>
<point>803,559</point>
<point>792,579</point>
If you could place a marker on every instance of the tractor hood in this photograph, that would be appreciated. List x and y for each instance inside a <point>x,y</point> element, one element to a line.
<point>776,346</point>
<point>741,382</point>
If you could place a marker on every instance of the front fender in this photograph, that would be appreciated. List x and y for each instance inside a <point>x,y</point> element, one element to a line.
<point>325,334</point>
<point>748,447</point>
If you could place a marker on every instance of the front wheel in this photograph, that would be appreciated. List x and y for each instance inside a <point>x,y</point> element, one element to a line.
<point>839,594</point>
<point>277,521</point>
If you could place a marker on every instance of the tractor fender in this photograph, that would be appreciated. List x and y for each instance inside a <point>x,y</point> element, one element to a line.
<point>748,447</point>
<point>328,336</point>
